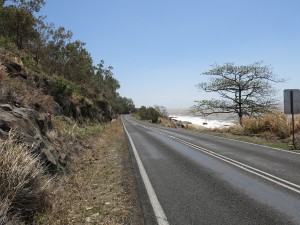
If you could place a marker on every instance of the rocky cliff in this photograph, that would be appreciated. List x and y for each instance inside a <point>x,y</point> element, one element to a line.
<point>30,127</point>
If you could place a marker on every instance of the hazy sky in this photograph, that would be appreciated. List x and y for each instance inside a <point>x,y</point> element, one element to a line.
<point>159,48</point>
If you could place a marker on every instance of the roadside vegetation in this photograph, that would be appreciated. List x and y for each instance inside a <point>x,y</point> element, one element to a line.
<point>24,188</point>
<point>100,185</point>
<point>151,114</point>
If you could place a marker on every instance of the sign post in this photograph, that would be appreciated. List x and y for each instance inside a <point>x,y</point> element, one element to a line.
<point>292,106</point>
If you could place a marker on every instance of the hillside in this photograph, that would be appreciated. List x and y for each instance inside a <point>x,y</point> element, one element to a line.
<point>54,103</point>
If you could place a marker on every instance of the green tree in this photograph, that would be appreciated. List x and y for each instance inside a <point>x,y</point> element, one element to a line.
<point>148,114</point>
<point>106,84</point>
<point>17,25</point>
<point>246,90</point>
<point>55,49</point>
<point>162,111</point>
<point>17,22</point>
<point>29,5</point>
<point>124,105</point>
<point>78,63</point>
<point>98,79</point>
<point>38,45</point>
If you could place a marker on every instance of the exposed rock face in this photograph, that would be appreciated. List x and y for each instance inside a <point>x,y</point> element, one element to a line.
<point>52,95</point>
<point>82,110</point>
<point>31,128</point>
<point>15,70</point>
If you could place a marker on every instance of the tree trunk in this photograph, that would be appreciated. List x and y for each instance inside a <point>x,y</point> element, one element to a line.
<point>240,107</point>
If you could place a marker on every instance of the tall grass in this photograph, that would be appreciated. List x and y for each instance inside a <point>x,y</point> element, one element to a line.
<point>24,189</point>
<point>272,124</point>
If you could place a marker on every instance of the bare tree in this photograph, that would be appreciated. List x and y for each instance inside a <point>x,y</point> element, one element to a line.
<point>245,90</point>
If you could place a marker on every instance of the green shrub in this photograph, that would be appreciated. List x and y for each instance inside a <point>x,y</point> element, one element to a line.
<point>148,114</point>
<point>63,86</point>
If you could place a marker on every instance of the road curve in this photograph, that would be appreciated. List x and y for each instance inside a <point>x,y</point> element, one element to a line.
<point>202,179</point>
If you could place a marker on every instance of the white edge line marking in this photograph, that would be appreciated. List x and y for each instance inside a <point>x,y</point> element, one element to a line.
<point>158,210</point>
<point>235,163</point>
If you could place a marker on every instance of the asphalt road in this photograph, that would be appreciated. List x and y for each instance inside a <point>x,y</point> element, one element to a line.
<point>202,179</point>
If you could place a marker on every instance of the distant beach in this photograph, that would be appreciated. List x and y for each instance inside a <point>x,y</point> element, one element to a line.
<point>213,121</point>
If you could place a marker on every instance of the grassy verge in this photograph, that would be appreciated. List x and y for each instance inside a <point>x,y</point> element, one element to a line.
<point>100,188</point>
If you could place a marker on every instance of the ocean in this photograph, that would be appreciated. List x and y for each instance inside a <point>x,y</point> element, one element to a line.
<point>212,121</point>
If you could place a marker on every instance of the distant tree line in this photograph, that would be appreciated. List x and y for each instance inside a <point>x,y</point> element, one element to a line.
<point>151,113</point>
<point>54,50</point>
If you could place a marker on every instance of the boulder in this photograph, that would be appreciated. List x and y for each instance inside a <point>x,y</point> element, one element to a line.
<point>30,128</point>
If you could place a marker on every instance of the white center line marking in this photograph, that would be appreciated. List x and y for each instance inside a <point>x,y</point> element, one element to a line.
<point>277,180</point>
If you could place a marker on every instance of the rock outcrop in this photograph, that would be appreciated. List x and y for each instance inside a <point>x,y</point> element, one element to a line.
<point>15,70</point>
<point>28,102</point>
<point>30,128</point>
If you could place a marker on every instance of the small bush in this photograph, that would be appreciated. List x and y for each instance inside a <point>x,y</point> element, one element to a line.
<point>61,86</point>
<point>24,190</point>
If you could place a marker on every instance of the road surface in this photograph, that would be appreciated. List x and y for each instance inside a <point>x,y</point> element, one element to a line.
<point>195,178</point>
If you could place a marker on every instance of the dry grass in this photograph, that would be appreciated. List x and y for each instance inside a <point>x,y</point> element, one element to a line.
<point>15,90</point>
<point>272,125</point>
<point>3,73</point>
<point>100,188</point>
<point>275,124</point>
<point>39,101</point>
<point>10,89</point>
<point>166,122</point>
<point>24,189</point>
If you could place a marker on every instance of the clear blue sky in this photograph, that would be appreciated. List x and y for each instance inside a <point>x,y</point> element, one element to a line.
<point>159,48</point>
